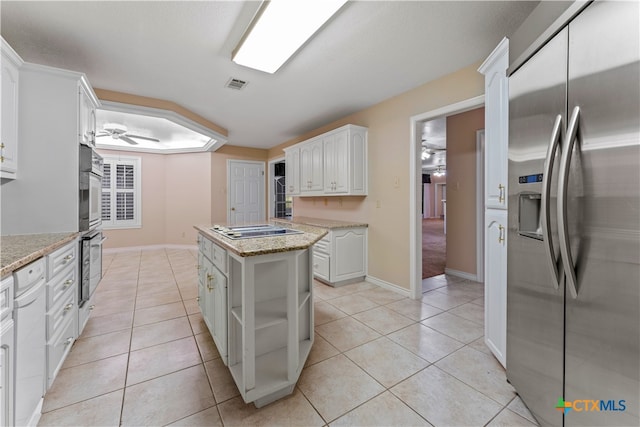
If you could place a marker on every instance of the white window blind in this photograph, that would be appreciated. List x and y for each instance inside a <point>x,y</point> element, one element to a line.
<point>121,192</point>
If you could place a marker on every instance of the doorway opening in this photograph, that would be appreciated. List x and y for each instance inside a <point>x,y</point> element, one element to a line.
<point>280,205</point>
<point>433,156</point>
<point>416,187</point>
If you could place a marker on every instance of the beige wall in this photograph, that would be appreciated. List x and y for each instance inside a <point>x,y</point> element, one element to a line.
<point>389,135</point>
<point>219,176</point>
<point>461,189</point>
<point>187,196</point>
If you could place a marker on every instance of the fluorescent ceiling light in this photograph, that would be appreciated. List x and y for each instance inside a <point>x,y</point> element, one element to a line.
<point>279,29</point>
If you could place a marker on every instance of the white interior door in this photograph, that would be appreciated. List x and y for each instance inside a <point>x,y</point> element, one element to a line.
<point>245,192</point>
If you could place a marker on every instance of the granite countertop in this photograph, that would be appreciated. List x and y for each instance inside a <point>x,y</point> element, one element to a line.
<point>19,250</point>
<point>323,223</point>
<point>267,245</point>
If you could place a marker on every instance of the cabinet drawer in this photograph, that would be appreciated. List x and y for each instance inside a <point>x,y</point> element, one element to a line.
<point>219,257</point>
<point>321,265</point>
<point>206,248</point>
<point>58,347</point>
<point>61,258</point>
<point>324,244</point>
<point>56,289</point>
<point>65,309</point>
<point>28,275</point>
<point>6,298</point>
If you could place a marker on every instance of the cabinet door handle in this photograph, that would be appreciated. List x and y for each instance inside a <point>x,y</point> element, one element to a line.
<point>1,159</point>
<point>68,307</point>
<point>91,307</point>
<point>1,144</point>
<point>501,235</point>
<point>67,283</point>
<point>68,341</point>
<point>501,193</point>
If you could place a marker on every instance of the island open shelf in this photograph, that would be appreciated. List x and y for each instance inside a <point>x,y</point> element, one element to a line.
<point>270,326</point>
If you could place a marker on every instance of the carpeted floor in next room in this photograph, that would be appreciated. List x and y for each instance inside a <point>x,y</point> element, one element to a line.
<point>434,247</point>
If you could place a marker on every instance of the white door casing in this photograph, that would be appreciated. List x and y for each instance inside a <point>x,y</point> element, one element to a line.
<point>245,192</point>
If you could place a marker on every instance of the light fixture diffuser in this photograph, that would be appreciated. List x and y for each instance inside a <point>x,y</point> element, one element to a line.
<point>279,29</point>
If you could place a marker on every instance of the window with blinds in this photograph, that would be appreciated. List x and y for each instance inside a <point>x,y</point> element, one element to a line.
<point>121,192</point>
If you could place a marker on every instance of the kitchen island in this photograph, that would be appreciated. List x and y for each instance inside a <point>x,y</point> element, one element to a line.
<point>256,298</point>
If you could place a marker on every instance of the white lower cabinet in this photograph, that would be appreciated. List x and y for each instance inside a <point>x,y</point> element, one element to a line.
<point>7,348</point>
<point>62,309</point>
<point>340,257</point>
<point>212,292</point>
<point>495,283</point>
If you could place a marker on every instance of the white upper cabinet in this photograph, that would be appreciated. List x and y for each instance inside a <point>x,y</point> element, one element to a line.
<point>332,164</point>
<point>86,117</point>
<point>292,177</point>
<point>311,164</point>
<point>496,119</point>
<point>11,63</point>
<point>336,161</point>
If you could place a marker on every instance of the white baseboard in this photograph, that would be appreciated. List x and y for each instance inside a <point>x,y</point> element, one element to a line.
<point>390,286</point>
<point>462,274</point>
<point>147,248</point>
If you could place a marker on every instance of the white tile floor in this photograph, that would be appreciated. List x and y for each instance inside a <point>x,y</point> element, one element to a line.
<point>146,358</point>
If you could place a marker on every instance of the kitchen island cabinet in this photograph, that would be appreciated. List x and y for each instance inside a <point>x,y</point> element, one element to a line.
<point>256,296</point>
<point>340,257</point>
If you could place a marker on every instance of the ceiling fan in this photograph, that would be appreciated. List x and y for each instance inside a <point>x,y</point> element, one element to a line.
<point>118,131</point>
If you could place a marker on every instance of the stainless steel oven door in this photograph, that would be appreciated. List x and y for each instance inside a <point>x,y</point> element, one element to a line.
<point>95,257</point>
<point>95,200</point>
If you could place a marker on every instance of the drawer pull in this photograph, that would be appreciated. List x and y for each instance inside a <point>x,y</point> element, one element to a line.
<point>68,341</point>
<point>67,283</point>
<point>91,307</point>
<point>198,299</point>
<point>68,307</point>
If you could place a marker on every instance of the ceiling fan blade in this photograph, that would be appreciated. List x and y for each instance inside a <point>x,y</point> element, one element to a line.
<point>99,135</point>
<point>127,139</point>
<point>143,137</point>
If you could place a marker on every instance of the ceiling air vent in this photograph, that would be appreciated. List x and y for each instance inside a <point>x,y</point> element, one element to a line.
<point>236,84</point>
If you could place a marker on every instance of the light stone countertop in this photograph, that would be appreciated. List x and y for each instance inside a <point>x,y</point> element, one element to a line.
<point>267,245</point>
<point>19,250</point>
<point>330,224</point>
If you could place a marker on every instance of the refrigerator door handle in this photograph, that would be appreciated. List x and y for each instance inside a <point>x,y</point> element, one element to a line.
<point>554,144</point>
<point>563,182</point>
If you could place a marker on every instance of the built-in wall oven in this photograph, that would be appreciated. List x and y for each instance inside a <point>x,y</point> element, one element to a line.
<point>90,194</point>
<point>90,222</point>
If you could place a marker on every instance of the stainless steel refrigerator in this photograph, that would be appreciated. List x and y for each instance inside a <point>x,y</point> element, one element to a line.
<point>573,269</point>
